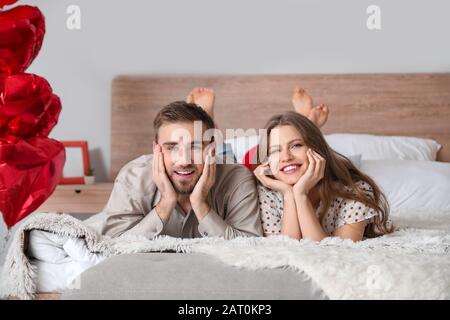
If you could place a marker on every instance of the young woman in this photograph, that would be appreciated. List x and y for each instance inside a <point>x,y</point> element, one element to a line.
<point>313,192</point>
<point>306,189</point>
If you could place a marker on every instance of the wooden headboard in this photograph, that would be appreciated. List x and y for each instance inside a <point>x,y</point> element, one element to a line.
<point>384,104</point>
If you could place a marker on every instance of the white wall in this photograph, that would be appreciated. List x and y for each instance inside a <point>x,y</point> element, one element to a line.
<point>224,36</point>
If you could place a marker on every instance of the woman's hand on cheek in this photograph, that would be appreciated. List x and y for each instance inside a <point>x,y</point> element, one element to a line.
<point>268,182</point>
<point>314,173</point>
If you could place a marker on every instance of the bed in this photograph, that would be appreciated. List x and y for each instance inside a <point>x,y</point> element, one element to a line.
<point>411,105</point>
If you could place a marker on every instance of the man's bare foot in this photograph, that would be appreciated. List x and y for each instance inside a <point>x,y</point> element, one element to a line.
<point>302,102</point>
<point>319,115</point>
<point>204,97</point>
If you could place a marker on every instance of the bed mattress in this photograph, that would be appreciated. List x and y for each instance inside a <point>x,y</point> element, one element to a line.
<point>165,275</point>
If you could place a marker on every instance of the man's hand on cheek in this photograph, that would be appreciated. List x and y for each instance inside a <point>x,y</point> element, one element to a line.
<point>199,196</point>
<point>169,196</point>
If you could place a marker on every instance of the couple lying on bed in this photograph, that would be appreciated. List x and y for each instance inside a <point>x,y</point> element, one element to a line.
<point>303,190</point>
<point>311,192</point>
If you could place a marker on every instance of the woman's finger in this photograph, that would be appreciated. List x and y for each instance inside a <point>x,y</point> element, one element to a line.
<point>320,167</point>
<point>266,181</point>
<point>258,172</point>
<point>317,167</point>
<point>276,169</point>
<point>312,163</point>
<point>322,164</point>
<point>318,155</point>
<point>257,175</point>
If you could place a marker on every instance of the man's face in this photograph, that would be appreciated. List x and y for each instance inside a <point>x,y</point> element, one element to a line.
<point>184,155</point>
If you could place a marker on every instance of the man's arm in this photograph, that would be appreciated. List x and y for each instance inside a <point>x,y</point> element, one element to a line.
<point>126,212</point>
<point>242,216</point>
<point>125,215</point>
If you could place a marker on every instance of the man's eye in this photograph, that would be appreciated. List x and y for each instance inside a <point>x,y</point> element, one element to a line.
<point>171,147</point>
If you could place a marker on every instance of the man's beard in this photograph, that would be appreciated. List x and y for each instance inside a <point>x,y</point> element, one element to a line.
<point>182,187</point>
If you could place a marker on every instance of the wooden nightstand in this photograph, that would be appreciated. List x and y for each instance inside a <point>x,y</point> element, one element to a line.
<point>78,198</point>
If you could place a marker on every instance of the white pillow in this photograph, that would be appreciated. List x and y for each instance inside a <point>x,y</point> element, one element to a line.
<point>411,184</point>
<point>373,147</point>
<point>241,145</point>
<point>356,160</point>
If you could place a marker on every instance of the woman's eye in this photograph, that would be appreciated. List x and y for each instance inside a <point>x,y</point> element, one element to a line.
<point>273,151</point>
<point>297,145</point>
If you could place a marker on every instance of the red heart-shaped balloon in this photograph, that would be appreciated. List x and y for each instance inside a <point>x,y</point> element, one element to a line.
<point>28,106</point>
<point>30,169</point>
<point>30,163</point>
<point>22,30</point>
<point>6,3</point>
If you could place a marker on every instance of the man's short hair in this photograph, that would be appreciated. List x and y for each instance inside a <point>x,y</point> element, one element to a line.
<point>181,111</point>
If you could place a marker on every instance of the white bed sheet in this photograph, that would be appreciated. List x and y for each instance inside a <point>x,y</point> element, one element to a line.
<point>58,261</point>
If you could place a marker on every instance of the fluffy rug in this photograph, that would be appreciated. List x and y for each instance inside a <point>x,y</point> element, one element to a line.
<point>411,263</point>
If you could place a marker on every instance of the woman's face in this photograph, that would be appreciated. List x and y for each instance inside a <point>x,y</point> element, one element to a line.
<point>287,154</point>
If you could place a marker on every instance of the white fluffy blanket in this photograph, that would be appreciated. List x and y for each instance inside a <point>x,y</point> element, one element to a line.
<point>411,263</point>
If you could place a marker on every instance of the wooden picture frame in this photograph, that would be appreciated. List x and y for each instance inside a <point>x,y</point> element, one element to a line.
<point>77,161</point>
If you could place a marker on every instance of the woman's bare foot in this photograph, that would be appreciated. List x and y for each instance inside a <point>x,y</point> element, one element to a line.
<point>302,102</point>
<point>204,97</point>
<point>319,115</point>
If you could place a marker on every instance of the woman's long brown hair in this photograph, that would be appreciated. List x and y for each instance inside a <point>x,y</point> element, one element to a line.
<point>339,172</point>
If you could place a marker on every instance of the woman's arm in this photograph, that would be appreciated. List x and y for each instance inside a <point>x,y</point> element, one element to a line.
<point>309,224</point>
<point>289,223</point>
<point>307,219</point>
<point>353,231</point>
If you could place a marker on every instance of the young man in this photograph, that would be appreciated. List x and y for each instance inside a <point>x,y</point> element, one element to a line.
<point>180,191</point>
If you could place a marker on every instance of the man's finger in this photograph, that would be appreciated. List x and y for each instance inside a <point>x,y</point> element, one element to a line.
<point>155,161</point>
<point>206,168</point>
<point>213,167</point>
<point>161,163</point>
<point>212,151</point>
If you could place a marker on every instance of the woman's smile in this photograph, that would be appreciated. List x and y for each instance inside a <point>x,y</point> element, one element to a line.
<point>290,168</point>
